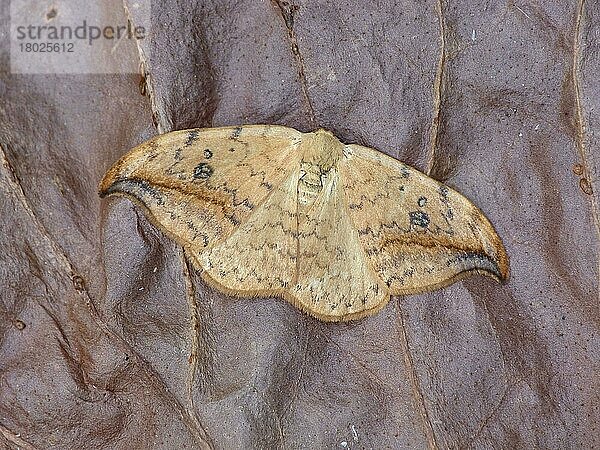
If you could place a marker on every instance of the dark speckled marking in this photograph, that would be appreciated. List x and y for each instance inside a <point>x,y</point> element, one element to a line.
<point>197,233</point>
<point>208,153</point>
<point>419,218</point>
<point>364,231</point>
<point>268,186</point>
<point>401,188</point>
<point>372,252</point>
<point>133,187</point>
<point>232,149</point>
<point>444,194</point>
<point>422,201</point>
<point>192,136</point>
<point>233,219</point>
<point>478,259</point>
<point>236,133</point>
<point>405,172</point>
<point>202,171</point>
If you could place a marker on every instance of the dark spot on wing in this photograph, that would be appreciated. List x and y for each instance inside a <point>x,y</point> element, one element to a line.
<point>232,149</point>
<point>365,231</point>
<point>236,132</point>
<point>246,203</point>
<point>444,194</point>
<point>422,201</point>
<point>268,186</point>
<point>419,218</point>
<point>192,135</point>
<point>197,233</point>
<point>401,188</point>
<point>233,219</point>
<point>208,153</point>
<point>203,171</point>
<point>372,252</point>
<point>405,172</point>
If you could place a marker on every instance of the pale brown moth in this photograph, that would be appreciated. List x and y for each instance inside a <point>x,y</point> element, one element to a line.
<point>335,229</point>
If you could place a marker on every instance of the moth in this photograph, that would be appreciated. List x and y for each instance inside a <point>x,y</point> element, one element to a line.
<point>335,229</point>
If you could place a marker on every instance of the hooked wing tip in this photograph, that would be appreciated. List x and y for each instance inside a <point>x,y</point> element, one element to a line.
<point>495,261</point>
<point>492,247</point>
<point>108,183</point>
<point>105,190</point>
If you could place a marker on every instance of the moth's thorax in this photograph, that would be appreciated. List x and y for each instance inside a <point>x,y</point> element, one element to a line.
<point>321,149</point>
<point>320,152</point>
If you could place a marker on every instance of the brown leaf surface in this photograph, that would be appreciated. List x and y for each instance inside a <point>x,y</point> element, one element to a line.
<point>109,339</point>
